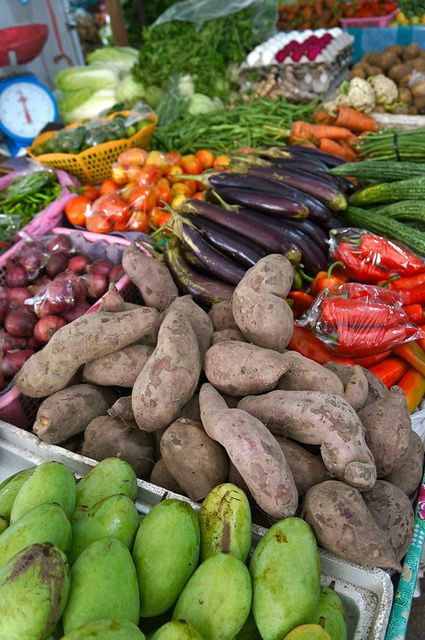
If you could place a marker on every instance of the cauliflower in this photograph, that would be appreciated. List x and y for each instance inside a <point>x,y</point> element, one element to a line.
<point>359,94</point>
<point>386,90</point>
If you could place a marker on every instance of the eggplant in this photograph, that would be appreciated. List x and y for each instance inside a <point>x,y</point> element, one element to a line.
<point>274,205</point>
<point>204,290</point>
<point>303,165</point>
<point>333,223</point>
<point>305,152</point>
<point>241,249</point>
<point>345,184</point>
<point>239,223</point>
<point>215,262</point>
<point>313,231</point>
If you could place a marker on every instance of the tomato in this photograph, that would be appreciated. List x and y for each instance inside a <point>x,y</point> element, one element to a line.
<point>155,215</point>
<point>191,165</point>
<point>77,209</point>
<point>163,190</point>
<point>127,189</point>
<point>158,159</point>
<point>173,157</point>
<point>98,223</point>
<point>139,221</point>
<point>119,173</point>
<point>133,156</point>
<point>120,225</point>
<point>149,175</point>
<point>142,198</point>
<point>108,186</point>
<point>181,188</point>
<point>174,170</point>
<point>199,195</point>
<point>112,207</point>
<point>92,193</point>
<point>222,162</point>
<point>206,158</point>
<point>178,200</point>
<point>164,218</point>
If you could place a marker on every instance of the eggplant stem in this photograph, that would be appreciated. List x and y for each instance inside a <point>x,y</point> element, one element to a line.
<point>224,204</point>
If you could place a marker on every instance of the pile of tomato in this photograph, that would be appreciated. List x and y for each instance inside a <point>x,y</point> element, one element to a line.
<point>368,8</point>
<point>141,186</point>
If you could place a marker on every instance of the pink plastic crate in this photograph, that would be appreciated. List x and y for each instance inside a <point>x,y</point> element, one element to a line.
<point>15,407</point>
<point>361,23</point>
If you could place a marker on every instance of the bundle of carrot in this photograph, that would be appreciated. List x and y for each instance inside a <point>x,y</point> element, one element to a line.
<point>337,135</point>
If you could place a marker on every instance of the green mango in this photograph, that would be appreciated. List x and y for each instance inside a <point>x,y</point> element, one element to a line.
<point>217,598</point>
<point>34,587</point>
<point>150,625</point>
<point>103,581</point>
<point>108,478</point>
<point>249,631</point>
<point>45,523</point>
<point>165,553</point>
<point>114,517</point>
<point>330,614</point>
<point>308,632</point>
<point>49,483</point>
<point>9,489</point>
<point>106,630</point>
<point>225,522</point>
<point>177,630</point>
<point>3,524</point>
<point>285,572</point>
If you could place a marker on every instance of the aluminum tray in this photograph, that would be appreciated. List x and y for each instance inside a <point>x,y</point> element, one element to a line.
<point>367,593</point>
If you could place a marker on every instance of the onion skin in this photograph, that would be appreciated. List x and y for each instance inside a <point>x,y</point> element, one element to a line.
<point>13,362</point>
<point>16,276</point>
<point>46,327</point>
<point>57,263</point>
<point>97,285</point>
<point>77,311</point>
<point>116,273</point>
<point>79,264</point>
<point>4,308</point>
<point>102,266</point>
<point>17,295</point>
<point>20,322</point>
<point>11,343</point>
<point>59,244</point>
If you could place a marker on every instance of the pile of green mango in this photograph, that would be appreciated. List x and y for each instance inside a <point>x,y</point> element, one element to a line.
<point>78,562</point>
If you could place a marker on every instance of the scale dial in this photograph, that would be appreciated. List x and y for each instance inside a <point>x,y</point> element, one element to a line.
<point>25,108</point>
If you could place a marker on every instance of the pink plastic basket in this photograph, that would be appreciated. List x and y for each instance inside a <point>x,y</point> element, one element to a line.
<point>15,407</point>
<point>361,23</point>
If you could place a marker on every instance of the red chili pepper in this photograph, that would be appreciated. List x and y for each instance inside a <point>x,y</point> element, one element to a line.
<point>413,296</point>
<point>327,279</point>
<point>407,283</point>
<point>370,361</point>
<point>415,313</point>
<point>390,371</point>
<point>390,256</point>
<point>305,342</point>
<point>413,354</point>
<point>302,300</point>
<point>359,343</point>
<point>421,341</point>
<point>413,385</point>
<point>357,267</point>
<point>337,312</point>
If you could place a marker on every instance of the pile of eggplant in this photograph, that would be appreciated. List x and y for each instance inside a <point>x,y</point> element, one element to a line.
<point>278,201</point>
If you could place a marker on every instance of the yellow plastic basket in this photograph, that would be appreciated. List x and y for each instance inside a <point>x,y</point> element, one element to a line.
<point>93,165</point>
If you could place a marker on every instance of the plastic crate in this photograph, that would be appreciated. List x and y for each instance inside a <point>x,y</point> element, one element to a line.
<point>15,407</point>
<point>376,22</point>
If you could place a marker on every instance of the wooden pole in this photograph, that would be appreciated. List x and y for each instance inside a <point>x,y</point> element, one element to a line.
<point>117,23</point>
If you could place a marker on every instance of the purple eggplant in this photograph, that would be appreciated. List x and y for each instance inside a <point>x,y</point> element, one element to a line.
<point>333,223</point>
<point>274,205</point>
<point>313,231</point>
<point>305,152</point>
<point>204,290</point>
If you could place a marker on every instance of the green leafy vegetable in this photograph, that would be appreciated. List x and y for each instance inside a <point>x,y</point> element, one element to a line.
<point>118,59</point>
<point>76,78</point>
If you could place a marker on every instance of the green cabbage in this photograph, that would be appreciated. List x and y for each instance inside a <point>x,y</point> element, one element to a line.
<point>118,59</point>
<point>199,104</point>
<point>76,78</point>
<point>96,103</point>
<point>129,90</point>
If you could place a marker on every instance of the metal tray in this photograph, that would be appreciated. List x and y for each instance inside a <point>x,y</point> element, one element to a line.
<point>367,593</point>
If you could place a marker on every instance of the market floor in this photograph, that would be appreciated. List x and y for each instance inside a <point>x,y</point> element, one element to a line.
<point>416,628</point>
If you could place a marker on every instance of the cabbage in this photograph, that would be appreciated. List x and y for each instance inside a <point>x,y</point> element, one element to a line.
<point>199,103</point>
<point>129,90</point>
<point>76,78</point>
<point>96,103</point>
<point>118,59</point>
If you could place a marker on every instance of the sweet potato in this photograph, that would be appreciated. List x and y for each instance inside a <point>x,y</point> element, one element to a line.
<point>198,318</point>
<point>169,378</point>
<point>120,368</point>
<point>226,335</point>
<point>313,417</point>
<point>122,409</point>
<point>306,375</point>
<point>254,452</point>
<point>387,428</point>
<point>195,461</point>
<point>307,469</point>
<point>393,513</point>
<point>107,437</point>
<point>343,524</point>
<point>356,386</point>
<point>150,276</point>
<point>113,301</point>
<point>221,316</point>
<point>376,388</point>
<point>157,436</point>
<point>258,303</point>
<point>408,476</point>
<point>239,368</point>
<point>69,411</point>
<point>163,478</point>
<point>90,336</point>
<point>191,410</point>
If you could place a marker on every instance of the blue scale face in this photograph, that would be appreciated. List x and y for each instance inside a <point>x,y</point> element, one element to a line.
<point>25,108</point>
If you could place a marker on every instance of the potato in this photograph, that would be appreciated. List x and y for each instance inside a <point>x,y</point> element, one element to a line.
<point>259,306</point>
<point>406,80</point>
<point>355,383</point>
<point>169,378</point>
<point>226,335</point>
<point>254,452</point>
<point>376,389</point>
<point>399,71</point>
<point>393,513</point>
<point>163,478</point>
<point>196,462</point>
<point>150,276</point>
<point>418,64</point>
<point>221,316</point>
<point>306,375</point>
<point>374,58</point>
<point>397,49</point>
<point>418,89</point>
<point>343,524</point>
<point>312,417</point>
<point>198,318</point>
<point>409,475</point>
<point>68,412</point>
<point>387,427</point>
<point>388,60</point>
<point>120,368</point>
<point>411,51</point>
<point>107,437</point>
<point>239,368</point>
<point>405,95</point>
<point>372,70</point>
<point>419,104</point>
<point>307,469</point>
<point>90,336</point>
<point>122,409</point>
<point>359,71</point>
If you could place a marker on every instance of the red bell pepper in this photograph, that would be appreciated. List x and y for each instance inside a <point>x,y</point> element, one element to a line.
<point>407,283</point>
<point>336,312</point>
<point>305,342</point>
<point>364,342</point>
<point>355,290</point>
<point>357,267</point>
<point>413,354</point>
<point>302,300</point>
<point>390,371</point>
<point>415,313</point>
<point>413,385</point>
<point>390,256</point>
<point>413,296</point>
<point>370,361</point>
<point>327,279</point>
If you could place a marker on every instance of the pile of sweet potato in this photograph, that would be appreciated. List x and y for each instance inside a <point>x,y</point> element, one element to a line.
<point>192,399</point>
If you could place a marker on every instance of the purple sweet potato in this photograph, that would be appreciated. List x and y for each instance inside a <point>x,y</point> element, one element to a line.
<point>409,475</point>
<point>304,374</point>
<point>150,276</point>
<point>120,368</point>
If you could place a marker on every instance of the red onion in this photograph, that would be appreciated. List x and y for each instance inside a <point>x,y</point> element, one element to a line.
<point>14,361</point>
<point>32,343</point>
<point>101,266</point>
<point>20,322</point>
<point>59,244</point>
<point>11,343</point>
<point>16,276</point>
<point>57,263</point>
<point>116,273</point>
<point>2,381</point>
<point>56,298</point>
<point>97,285</point>
<point>17,295</point>
<point>39,283</point>
<point>78,310</point>
<point>79,264</point>
<point>2,293</point>
<point>46,327</point>
<point>4,308</point>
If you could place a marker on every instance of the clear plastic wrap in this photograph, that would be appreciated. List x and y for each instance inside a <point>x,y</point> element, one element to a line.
<point>358,320</point>
<point>370,258</point>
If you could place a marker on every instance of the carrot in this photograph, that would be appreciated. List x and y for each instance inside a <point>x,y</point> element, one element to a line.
<point>321,117</point>
<point>308,145</point>
<point>354,120</point>
<point>330,132</point>
<point>330,146</point>
<point>301,132</point>
<point>353,141</point>
<point>351,153</point>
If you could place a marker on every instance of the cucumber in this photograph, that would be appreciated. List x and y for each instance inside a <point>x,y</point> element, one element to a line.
<point>375,171</point>
<point>389,227</point>
<point>413,210</point>
<point>412,189</point>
